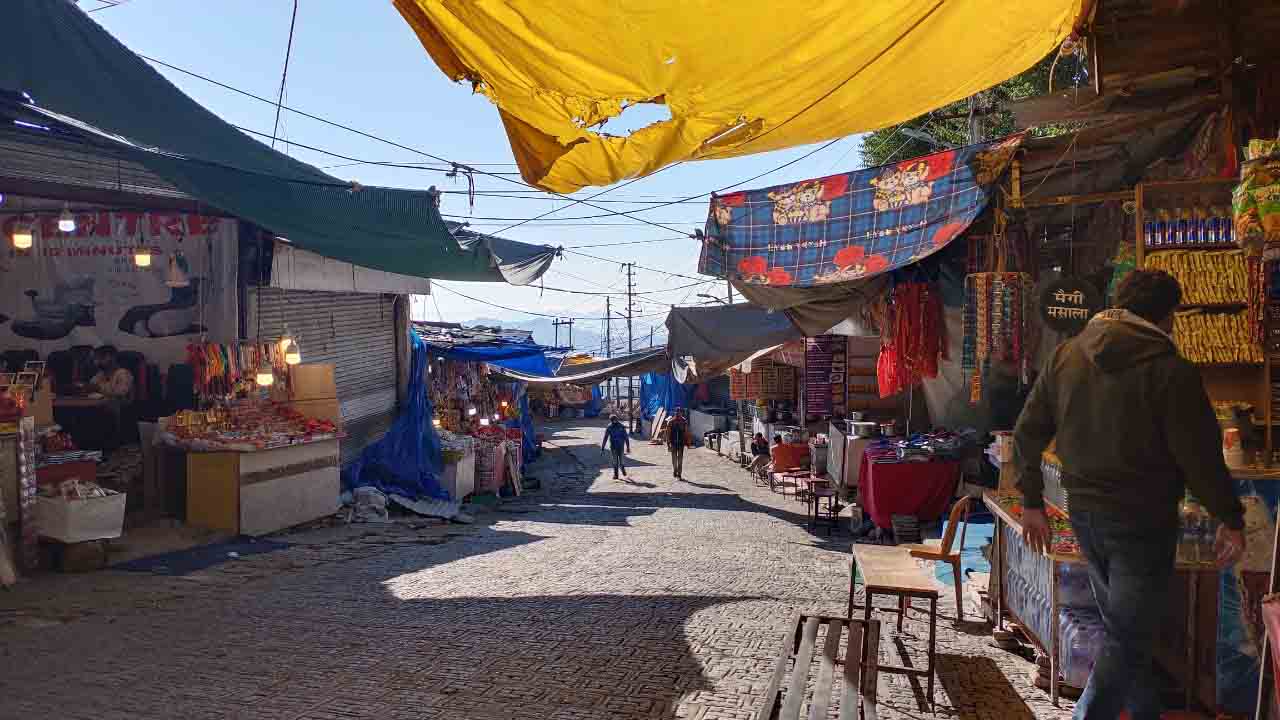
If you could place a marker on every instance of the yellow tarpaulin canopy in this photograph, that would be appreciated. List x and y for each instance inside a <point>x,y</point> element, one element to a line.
<point>737,77</point>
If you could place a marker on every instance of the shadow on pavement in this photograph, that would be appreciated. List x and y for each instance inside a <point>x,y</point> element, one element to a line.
<point>978,689</point>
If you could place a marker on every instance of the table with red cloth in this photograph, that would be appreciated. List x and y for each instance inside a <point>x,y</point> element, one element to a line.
<point>923,489</point>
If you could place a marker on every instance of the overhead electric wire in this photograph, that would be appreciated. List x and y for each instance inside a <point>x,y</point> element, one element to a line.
<point>284,75</point>
<point>525,312</point>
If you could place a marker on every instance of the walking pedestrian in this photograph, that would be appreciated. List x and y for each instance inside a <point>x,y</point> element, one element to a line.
<point>1133,423</point>
<point>616,437</point>
<point>677,435</point>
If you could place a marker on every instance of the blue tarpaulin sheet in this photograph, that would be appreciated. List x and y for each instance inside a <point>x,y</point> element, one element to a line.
<point>594,407</point>
<point>407,460</point>
<point>521,357</point>
<point>660,390</point>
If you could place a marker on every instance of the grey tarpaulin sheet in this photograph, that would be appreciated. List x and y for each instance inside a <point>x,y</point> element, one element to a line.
<point>706,341</point>
<point>519,263</point>
<point>107,94</point>
<point>815,310</point>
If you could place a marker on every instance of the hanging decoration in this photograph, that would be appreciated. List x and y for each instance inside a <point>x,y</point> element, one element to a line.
<point>226,371</point>
<point>996,310</point>
<point>912,338</point>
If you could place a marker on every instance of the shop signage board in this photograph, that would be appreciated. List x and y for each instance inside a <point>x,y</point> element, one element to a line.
<point>1066,304</point>
<point>85,287</point>
<point>819,358</point>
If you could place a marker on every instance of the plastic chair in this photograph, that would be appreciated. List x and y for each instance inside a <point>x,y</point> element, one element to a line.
<point>942,550</point>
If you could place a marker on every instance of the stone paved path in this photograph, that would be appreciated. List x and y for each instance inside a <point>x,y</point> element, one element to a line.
<point>590,599</point>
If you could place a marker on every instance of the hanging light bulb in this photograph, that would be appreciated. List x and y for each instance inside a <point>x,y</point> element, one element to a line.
<point>435,421</point>
<point>504,403</point>
<point>66,221</point>
<point>292,354</point>
<point>265,377</point>
<point>22,236</point>
<point>496,416</point>
<point>484,422</point>
<point>471,411</point>
<point>142,256</point>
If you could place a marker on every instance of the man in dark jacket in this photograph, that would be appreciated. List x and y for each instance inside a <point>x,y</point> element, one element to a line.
<point>677,436</point>
<point>616,437</point>
<point>1133,424</point>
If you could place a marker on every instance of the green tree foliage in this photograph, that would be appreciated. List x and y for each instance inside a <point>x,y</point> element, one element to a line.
<point>949,125</point>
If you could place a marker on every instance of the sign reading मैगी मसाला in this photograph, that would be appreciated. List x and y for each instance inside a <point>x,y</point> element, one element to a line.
<point>1066,304</point>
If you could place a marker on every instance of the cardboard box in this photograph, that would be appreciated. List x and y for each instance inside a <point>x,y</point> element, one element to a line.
<point>326,409</point>
<point>73,521</point>
<point>313,381</point>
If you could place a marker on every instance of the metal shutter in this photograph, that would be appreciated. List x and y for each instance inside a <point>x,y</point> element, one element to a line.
<point>354,331</point>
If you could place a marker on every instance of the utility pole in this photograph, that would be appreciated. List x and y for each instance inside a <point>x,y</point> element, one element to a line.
<point>608,342</point>
<point>557,323</point>
<point>631,402</point>
<point>650,336</point>
<point>729,288</point>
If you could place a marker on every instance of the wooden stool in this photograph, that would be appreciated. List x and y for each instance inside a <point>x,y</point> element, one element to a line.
<point>892,571</point>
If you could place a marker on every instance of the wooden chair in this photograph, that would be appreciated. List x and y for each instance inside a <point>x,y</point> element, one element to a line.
<point>946,551</point>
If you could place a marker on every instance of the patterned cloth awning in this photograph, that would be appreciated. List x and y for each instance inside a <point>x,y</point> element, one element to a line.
<point>851,226</point>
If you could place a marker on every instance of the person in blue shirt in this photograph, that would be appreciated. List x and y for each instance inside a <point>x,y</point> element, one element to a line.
<point>616,437</point>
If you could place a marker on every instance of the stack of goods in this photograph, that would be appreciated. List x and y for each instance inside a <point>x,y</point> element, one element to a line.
<point>1201,226</point>
<point>462,394</point>
<point>76,489</point>
<point>244,426</point>
<point>1215,338</point>
<point>997,310</point>
<point>56,447</point>
<point>1063,540</point>
<point>1207,278</point>
<point>228,371</point>
<point>912,338</point>
<point>1026,585</point>
<point>1080,636</point>
<point>923,447</point>
<point>1256,200</point>
<point>768,380</point>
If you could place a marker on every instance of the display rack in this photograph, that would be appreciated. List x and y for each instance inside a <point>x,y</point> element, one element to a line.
<point>1228,382</point>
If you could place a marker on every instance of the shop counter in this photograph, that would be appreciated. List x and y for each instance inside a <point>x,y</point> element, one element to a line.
<point>789,456</point>
<point>262,491</point>
<point>923,489</point>
<point>1028,592</point>
<point>459,478</point>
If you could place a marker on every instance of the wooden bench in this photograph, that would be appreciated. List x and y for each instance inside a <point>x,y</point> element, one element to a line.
<point>892,571</point>
<point>856,681</point>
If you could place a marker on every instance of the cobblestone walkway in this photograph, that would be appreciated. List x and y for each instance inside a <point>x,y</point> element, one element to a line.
<point>590,599</point>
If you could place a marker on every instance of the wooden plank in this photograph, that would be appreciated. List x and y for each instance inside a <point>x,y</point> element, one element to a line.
<point>770,700</point>
<point>822,691</point>
<point>871,667</point>
<point>851,698</point>
<point>800,672</point>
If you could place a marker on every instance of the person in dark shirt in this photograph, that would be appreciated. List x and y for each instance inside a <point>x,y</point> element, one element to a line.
<point>616,437</point>
<point>677,435</point>
<point>1134,429</point>
<point>759,453</point>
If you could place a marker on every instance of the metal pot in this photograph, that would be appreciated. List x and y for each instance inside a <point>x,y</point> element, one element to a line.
<point>857,416</point>
<point>889,429</point>
<point>865,429</point>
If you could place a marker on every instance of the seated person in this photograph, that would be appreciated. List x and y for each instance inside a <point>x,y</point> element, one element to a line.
<point>112,381</point>
<point>759,453</point>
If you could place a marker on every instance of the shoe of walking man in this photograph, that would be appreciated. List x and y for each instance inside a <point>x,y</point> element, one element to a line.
<point>1132,421</point>
<point>616,437</point>
<point>677,436</point>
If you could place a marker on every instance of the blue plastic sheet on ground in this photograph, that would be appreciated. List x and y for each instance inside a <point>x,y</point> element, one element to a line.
<point>407,460</point>
<point>522,357</point>
<point>660,390</point>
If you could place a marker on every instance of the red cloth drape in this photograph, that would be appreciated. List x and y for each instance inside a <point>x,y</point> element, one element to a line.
<point>922,489</point>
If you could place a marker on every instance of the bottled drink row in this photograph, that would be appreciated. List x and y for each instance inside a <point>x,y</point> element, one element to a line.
<point>1187,227</point>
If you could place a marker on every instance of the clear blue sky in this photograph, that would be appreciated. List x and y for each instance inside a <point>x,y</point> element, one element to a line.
<point>358,63</point>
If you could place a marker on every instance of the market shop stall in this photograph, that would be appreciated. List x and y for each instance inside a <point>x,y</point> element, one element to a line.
<point>262,456</point>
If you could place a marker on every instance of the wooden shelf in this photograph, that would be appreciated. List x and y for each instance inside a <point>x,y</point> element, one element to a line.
<point>1181,187</point>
